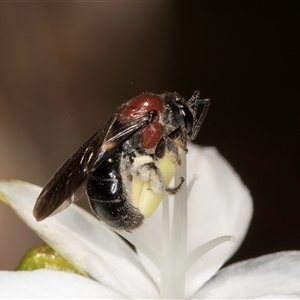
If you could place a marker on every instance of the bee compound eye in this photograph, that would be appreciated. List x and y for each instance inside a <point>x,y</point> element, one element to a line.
<point>187,117</point>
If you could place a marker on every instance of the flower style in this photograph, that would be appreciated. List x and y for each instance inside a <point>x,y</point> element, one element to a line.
<point>179,249</point>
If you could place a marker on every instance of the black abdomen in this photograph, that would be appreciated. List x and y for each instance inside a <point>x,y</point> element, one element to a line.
<point>108,200</point>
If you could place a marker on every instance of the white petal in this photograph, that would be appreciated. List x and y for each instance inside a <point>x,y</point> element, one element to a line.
<point>219,204</point>
<point>273,274</point>
<point>84,241</point>
<point>49,284</point>
<point>279,297</point>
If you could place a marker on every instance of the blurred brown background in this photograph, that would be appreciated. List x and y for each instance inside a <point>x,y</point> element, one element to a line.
<point>65,67</point>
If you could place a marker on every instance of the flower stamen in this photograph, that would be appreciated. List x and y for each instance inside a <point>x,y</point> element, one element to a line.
<point>173,261</point>
<point>195,254</point>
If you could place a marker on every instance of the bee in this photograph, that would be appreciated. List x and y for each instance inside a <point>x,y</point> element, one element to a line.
<point>126,167</point>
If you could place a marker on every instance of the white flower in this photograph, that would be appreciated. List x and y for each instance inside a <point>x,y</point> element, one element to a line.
<point>219,207</point>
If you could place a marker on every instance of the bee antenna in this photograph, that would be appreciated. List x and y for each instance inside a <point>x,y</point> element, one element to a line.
<point>194,102</point>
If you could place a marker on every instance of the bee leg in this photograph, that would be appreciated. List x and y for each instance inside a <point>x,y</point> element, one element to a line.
<point>167,144</point>
<point>155,178</point>
<point>180,136</point>
<point>174,151</point>
<point>144,169</point>
<point>174,190</point>
<point>157,183</point>
<point>160,150</point>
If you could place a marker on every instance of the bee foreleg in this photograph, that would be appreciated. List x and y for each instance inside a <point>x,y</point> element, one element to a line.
<point>174,190</point>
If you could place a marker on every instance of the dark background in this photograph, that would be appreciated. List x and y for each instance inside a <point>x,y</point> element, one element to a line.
<point>65,68</point>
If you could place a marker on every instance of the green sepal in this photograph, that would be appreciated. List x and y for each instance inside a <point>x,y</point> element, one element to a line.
<point>44,257</point>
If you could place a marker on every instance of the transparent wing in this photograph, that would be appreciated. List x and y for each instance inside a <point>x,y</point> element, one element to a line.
<point>60,190</point>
